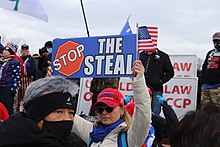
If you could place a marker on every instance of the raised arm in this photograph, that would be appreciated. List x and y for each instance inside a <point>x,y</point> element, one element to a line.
<point>141,118</point>
<point>82,128</point>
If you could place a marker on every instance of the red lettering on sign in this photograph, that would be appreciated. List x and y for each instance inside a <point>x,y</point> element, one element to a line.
<point>179,102</point>
<point>166,89</point>
<point>182,66</point>
<point>88,83</point>
<point>88,96</point>
<point>125,87</point>
<point>121,88</point>
<point>186,102</point>
<point>178,89</point>
<point>129,88</point>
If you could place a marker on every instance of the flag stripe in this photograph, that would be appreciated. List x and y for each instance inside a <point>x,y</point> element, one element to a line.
<point>147,38</point>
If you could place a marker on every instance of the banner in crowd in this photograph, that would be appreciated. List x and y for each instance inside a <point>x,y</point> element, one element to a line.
<point>181,94</point>
<point>184,65</point>
<point>102,56</point>
<point>29,7</point>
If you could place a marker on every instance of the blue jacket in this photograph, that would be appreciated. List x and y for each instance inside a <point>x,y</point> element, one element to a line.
<point>30,65</point>
<point>10,74</point>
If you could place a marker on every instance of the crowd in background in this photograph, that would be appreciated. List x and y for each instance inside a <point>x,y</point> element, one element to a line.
<point>17,72</point>
<point>121,120</point>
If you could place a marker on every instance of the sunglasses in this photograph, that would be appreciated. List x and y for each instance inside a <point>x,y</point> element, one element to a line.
<point>101,109</point>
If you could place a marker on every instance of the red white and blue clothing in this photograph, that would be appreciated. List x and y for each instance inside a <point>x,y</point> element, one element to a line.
<point>9,81</point>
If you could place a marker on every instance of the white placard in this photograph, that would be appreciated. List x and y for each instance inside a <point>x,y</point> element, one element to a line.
<point>184,65</point>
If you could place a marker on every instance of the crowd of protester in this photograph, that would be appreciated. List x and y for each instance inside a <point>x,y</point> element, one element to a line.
<point>17,72</point>
<point>37,109</point>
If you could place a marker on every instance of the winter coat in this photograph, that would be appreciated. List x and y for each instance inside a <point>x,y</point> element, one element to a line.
<point>163,126</point>
<point>141,120</point>
<point>10,75</point>
<point>20,131</point>
<point>30,66</point>
<point>158,69</point>
<point>211,68</point>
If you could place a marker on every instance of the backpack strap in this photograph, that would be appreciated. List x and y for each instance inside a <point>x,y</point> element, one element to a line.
<point>90,142</point>
<point>122,139</point>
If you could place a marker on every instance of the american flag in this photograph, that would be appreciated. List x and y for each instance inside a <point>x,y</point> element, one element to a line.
<point>147,38</point>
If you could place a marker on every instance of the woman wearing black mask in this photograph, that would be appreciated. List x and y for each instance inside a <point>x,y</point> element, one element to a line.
<point>47,120</point>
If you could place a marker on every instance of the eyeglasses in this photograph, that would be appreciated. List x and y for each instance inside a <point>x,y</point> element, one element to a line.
<point>101,109</point>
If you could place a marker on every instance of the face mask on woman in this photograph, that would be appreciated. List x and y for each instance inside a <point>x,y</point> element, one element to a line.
<point>60,129</point>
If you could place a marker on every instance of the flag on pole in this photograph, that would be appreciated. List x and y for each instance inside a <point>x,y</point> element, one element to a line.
<point>127,28</point>
<point>153,31</point>
<point>147,38</point>
<point>28,7</point>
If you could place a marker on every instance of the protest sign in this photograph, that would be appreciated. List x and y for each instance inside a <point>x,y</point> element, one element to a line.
<point>103,56</point>
<point>184,65</point>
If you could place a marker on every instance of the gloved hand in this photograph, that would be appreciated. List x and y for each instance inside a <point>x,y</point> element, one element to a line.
<point>161,99</point>
<point>127,99</point>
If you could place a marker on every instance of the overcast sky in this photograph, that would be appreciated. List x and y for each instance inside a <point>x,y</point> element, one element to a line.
<point>185,27</point>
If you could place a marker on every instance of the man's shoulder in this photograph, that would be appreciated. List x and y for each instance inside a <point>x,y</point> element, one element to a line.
<point>210,51</point>
<point>162,52</point>
<point>14,61</point>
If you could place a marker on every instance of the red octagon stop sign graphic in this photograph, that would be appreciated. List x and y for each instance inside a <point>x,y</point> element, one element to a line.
<point>70,56</point>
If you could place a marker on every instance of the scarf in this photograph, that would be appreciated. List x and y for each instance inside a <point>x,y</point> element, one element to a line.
<point>100,132</point>
<point>150,138</point>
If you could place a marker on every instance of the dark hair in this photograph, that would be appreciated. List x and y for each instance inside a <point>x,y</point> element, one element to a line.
<point>24,46</point>
<point>42,50</point>
<point>48,44</point>
<point>198,128</point>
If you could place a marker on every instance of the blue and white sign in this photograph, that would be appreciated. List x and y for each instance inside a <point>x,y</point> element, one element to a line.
<point>103,56</point>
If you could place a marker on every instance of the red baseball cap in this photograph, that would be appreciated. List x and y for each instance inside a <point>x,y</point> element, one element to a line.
<point>111,97</point>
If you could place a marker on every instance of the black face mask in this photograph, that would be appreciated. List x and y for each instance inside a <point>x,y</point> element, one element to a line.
<point>217,45</point>
<point>60,129</point>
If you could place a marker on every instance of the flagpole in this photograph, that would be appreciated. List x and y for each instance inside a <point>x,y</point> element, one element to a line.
<point>84,15</point>
<point>137,52</point>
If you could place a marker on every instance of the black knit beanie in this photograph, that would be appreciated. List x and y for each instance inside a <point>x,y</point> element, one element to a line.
<point>40,107</point>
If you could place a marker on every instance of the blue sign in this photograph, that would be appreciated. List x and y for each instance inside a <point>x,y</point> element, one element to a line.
<point>97,57</point>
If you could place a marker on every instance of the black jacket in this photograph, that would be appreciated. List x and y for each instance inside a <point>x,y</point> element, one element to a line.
<point>158,69</point>
<point>20,131</point>
<point>164,126</point>
<point>211,68</point>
